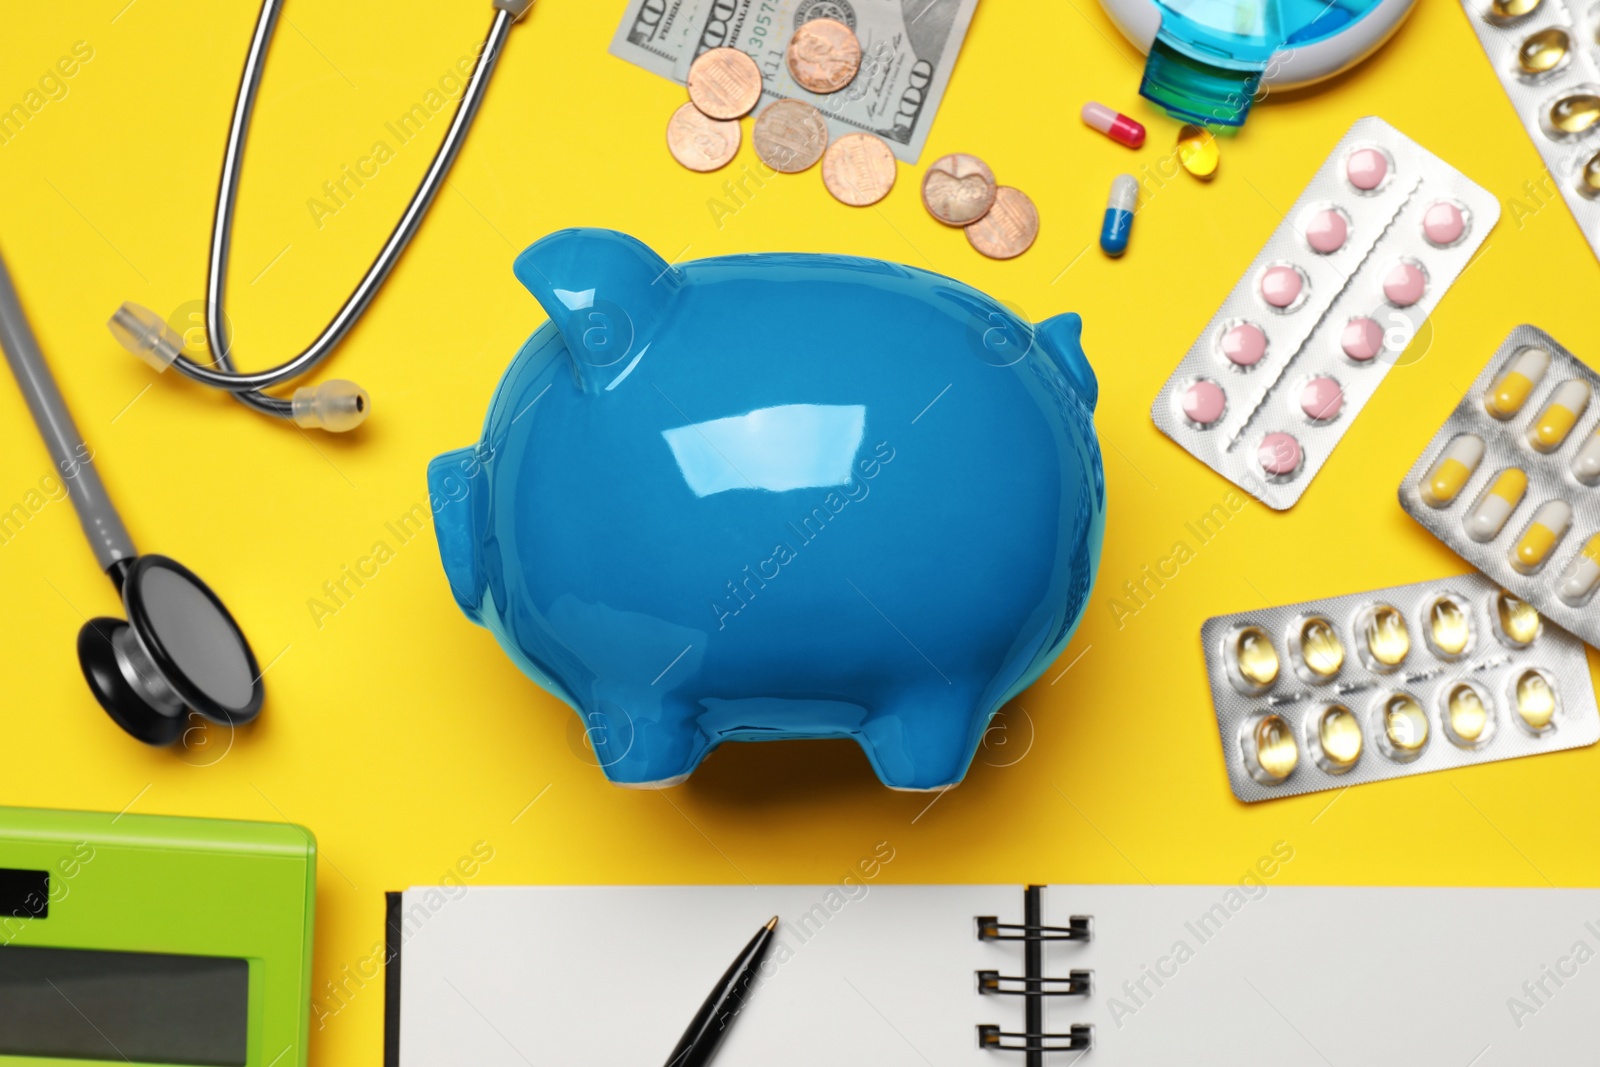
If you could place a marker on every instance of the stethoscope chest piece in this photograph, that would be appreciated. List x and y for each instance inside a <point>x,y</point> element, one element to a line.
<point>179,651</point>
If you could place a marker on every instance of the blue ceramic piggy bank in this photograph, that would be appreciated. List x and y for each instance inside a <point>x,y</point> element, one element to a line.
<point>776,496</point>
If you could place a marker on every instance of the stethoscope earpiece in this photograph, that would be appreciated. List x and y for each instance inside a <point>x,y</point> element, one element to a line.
<point>179,652</point>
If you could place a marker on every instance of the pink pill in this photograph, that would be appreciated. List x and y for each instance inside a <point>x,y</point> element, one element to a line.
<point>1443,223</point>
<point>1278,453</point>
<point>1244,345</point>
<point>1404,284</point>
<point>1203,402</point>
<point>1327,231</point>
<point>1321,399</point>
<point>1362,339</point>
<point>1366,168</point>
<point>1280,286</point>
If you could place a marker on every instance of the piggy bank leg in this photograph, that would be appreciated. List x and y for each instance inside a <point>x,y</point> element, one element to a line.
<point>924,738</point>
<point>642,752</point>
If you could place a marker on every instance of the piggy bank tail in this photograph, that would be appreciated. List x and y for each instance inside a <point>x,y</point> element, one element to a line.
<point>451,479</point>
<point>1061,337</point>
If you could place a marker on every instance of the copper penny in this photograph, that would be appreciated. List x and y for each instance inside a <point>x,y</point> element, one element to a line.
<point>858,169</point>
<point>701,143</point>
<point>824,55</point>
<point>1010,226</point>
<point>724,83</point>
<point>790,136</point>
<point>958,189</point>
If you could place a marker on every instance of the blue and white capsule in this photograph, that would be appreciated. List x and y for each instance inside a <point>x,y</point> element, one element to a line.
<point>1119,215</point>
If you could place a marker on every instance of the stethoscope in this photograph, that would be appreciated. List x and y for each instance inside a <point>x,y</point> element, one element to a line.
<point>334,405</point>
<point>180,652</point>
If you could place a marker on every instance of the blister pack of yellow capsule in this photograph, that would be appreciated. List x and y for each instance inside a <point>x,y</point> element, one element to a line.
<point>1512,480</point>
<point>1546,54</point>
<point>1371,686</point>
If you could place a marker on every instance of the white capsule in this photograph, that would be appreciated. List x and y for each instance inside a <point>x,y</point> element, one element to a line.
<point>1582,574</point>
<point>1586,464</point>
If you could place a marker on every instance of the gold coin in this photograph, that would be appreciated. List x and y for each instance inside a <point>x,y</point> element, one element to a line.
<point>790,136</point>
<point>958,189</point>
<point>701,143</point>
<point>724,83</point>
<point>824,55</point>
<point>858,169</point>
<point>1010,226</point>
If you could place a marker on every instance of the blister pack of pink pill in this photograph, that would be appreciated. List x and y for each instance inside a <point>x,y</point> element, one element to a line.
<point>1511,482</point>
<point>1327,307</point>
<point>1544,53</point>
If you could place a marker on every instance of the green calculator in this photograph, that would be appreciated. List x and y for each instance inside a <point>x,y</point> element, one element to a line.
<point>155,940</point>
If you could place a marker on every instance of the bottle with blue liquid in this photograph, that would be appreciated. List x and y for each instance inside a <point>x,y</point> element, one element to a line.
<point>1208,59</point>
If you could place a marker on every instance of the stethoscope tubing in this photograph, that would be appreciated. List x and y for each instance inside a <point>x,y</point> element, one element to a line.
<point>247,387</point>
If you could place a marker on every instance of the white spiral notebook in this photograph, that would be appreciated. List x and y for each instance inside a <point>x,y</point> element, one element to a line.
<point>889,975</point>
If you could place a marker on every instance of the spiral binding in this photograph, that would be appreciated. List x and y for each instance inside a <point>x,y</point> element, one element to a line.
<point>1033,984</point>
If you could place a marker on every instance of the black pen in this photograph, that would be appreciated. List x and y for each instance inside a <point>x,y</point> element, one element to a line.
<point>710,1024</point>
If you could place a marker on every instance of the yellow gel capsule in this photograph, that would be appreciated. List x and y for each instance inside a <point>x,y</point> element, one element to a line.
<point>1550,524</point>
<point>1549,431</point>
<point>1197,151</point>
<point>1512,389</point>
<point>1495,505</point>
<point>1321,648</point>
<point>1519,622</point>
<point>1468,716</point>
<point>1257,660</point>
<point>1455,466</point>
<point>1449,627</point>
<point>1536,701</point>
<point>1591,176</point>
<point>1405,724</point>
<point>1578,581</point>
<point>1339,735</point>
<point>1275,749</point>
<point>1544,51</point>
<point>1507,10</point>
<point>1586,464</point>
<point>1388,640</point>
<point>1575,113</point>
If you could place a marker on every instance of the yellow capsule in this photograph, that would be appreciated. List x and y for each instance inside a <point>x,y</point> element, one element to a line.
<point>1495,505</point>
<point>1519,622</point>
<point>1321,648</point>
<point>1449,627</point>
<point>1591,176</point>
<point>1586,464</point>
<point>1275,750</point>
<point>1550,524</point>
<point>1575,113</point>
<point>1544,51</point>
<point>1197,151</point>
<point>1339,736</point>
<point>1513,388</point>
<point>1536,701</point>
<point>1388,640</point>
<point>1549,431</point>
<point>1468,715</point>
<point>1405,724</point>
<point>1582,575</point>
<point>1455,466</point>
<point>1507,10</point>
<point>1255,657</point>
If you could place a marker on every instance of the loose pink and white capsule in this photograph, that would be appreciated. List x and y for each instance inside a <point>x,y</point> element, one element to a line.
<point>1115,125</point>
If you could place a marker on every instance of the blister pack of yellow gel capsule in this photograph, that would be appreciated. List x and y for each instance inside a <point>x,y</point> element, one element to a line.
<point>1512,480</point>
<point>1546,54</point>
<point>1371,686</point>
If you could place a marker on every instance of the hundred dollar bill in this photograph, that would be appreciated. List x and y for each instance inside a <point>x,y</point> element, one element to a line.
<point>908,47</point>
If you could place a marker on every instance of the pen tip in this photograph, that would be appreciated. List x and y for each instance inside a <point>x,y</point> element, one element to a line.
<point>772,923</point>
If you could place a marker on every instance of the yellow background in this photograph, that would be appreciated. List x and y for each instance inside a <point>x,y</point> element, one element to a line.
<point>401,735</point>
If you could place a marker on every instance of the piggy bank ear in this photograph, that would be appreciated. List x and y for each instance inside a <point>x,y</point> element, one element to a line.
<point>605,292</point>
<point>1059,336</point>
